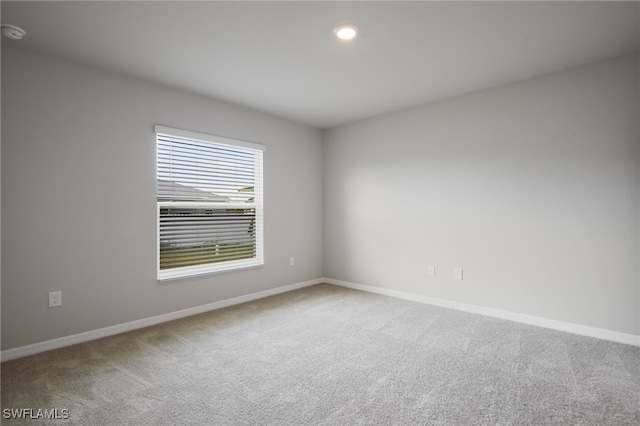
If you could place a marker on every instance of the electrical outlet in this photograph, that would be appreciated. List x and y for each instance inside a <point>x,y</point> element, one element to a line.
<point>457,274</point>
<point>55,299</point>
<point>432,270</point>
<point>292,261</point>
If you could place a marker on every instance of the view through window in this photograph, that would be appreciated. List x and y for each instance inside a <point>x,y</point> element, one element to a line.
<point>209,197</point>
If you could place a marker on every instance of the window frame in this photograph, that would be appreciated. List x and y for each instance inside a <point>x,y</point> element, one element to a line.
<point>257,204</point>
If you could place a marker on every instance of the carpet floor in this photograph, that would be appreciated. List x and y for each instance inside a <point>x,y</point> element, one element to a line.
<point>326,355</point>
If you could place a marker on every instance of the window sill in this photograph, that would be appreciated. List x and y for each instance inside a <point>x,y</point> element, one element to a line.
<point>195,271</point>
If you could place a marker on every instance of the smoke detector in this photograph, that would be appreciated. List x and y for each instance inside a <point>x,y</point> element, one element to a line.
<point>12,32</point>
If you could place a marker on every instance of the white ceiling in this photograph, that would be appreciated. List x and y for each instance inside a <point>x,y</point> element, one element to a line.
<point>282,58</point>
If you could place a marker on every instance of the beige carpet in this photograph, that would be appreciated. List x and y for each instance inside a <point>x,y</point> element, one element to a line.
<point>326,355</point>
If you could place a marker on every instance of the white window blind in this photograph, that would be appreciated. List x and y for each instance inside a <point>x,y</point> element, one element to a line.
<point>210,214</point>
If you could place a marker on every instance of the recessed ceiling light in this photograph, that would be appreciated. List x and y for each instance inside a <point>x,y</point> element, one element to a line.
<point>346,32</point>
<point>12,32</point>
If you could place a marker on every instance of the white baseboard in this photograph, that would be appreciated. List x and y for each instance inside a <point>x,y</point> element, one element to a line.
<point>73,339</point>
<point>599,333</point>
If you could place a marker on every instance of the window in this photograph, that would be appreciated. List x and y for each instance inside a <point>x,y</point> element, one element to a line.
<point>209,203</point>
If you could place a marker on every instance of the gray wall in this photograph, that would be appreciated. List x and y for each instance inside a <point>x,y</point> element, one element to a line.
<point>78,198</point>
<point>531,187</point>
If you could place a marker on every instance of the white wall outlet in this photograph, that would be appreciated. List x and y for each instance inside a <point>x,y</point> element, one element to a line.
<point>55,299</point>
<point>457,274</point>
<point>292,261</point>
<point>432,270</point>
